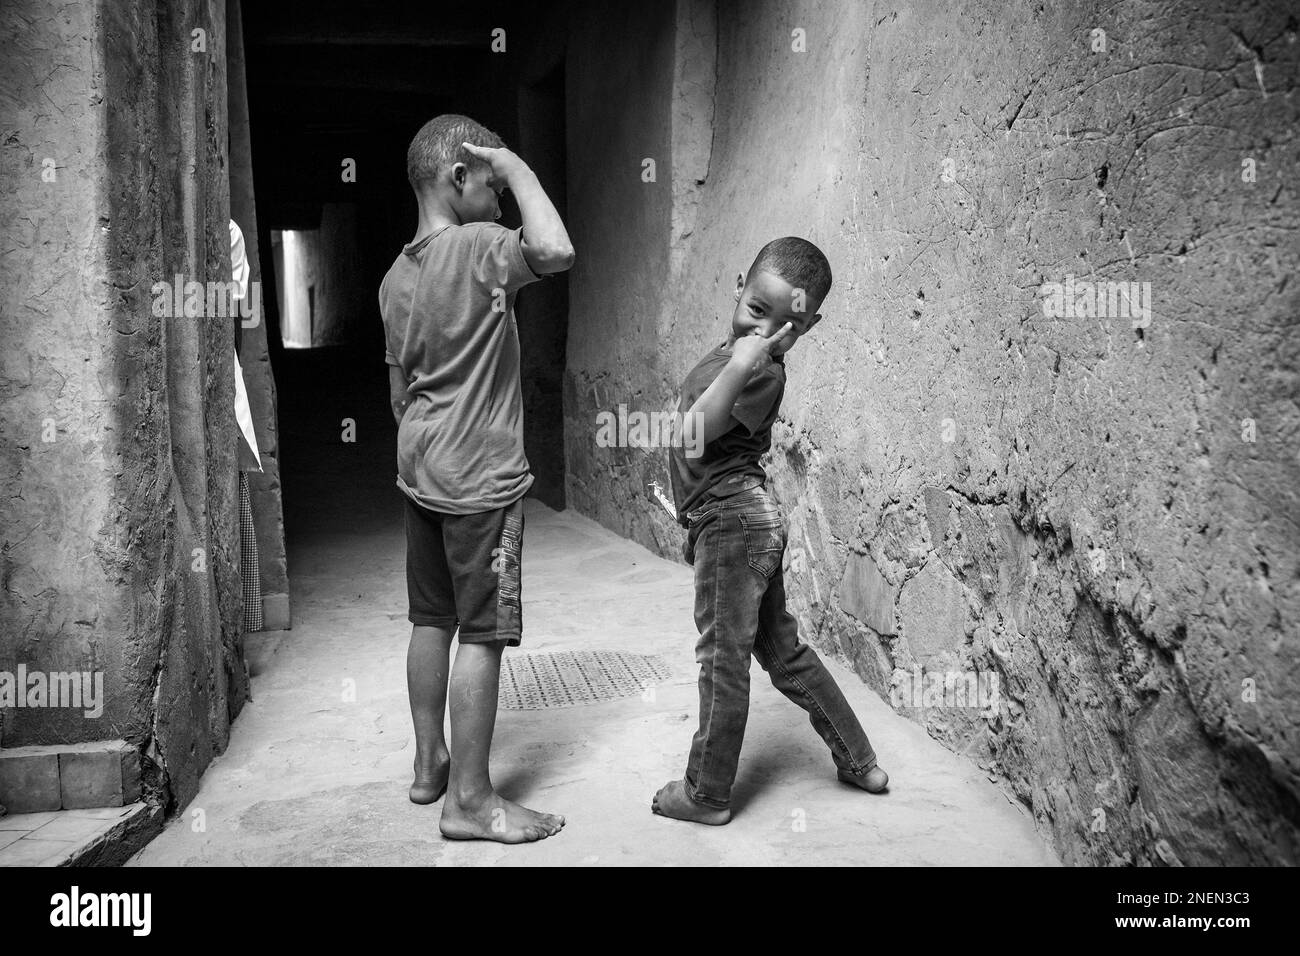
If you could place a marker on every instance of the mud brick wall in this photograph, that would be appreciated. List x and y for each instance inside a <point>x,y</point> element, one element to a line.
<point>118,509</point>
<point>1099,510</point>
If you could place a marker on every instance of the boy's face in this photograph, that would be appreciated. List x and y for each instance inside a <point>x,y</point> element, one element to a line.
<point>765,302</point>
<point>478,194</point>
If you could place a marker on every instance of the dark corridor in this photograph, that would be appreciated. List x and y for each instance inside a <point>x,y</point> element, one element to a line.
<point>336,92</point>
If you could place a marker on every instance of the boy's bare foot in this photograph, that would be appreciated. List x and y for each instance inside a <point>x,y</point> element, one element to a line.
<point>496,818</point>
<point>431,782</point>
<point>672,801</point>
<point>874,780</point>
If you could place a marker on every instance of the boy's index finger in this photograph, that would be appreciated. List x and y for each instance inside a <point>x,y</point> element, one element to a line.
<point>780,333</point>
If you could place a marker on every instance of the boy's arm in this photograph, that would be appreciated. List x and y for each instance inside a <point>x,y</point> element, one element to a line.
<point>398,397</point>
<point>749,354</point>
<point>545,243</point>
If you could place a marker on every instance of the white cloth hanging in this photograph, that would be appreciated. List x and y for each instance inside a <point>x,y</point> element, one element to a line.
<point>240,271</point>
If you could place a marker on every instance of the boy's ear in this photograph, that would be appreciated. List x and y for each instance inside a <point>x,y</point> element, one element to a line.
<point>740,284</point>
<point>459,173</point>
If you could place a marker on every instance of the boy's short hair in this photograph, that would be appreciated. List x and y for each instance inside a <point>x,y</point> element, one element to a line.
<point>798,262</point>
<point>437,146</point>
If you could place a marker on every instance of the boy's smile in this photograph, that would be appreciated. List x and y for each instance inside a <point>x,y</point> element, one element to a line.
<point>765,302</point>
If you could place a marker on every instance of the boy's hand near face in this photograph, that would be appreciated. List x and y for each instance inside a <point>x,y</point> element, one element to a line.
<point>754,352</point>
<point>749,354</point>
<point>545,243</point>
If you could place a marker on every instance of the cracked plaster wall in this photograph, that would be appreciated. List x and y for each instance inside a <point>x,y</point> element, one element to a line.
<point>1067,504</point>
<point>120,529</point>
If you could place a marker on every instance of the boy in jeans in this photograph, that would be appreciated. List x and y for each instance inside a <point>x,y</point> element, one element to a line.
<point>453,357</point>
<point>737,537</point>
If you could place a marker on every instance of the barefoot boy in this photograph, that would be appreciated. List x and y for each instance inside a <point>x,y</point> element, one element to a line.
<point>737,537</point>
<point>453,356</point>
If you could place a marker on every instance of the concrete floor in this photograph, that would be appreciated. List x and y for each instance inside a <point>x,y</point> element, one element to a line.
<point>313,779</point>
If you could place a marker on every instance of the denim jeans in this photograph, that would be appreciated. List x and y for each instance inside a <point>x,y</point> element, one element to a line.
<point>736,544</point>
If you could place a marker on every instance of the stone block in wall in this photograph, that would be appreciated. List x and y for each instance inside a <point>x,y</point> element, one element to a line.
<point>1015,556</point>
<point>29,779</point>
<point>104,773</point>
<point>101,774</point>
<point>866,595</point>
<point>932,610</point>
<point>938,507</point>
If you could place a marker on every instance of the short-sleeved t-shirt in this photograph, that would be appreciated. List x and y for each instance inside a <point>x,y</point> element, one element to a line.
<point>449,325</point>
<point>730,462</point>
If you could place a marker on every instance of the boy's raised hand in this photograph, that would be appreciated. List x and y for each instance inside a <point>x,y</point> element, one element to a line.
<point>754,352</point>
<point>502,161</point>
<point>544,241</point>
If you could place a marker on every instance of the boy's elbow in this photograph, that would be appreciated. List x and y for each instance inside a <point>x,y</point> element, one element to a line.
<point>553,258</point>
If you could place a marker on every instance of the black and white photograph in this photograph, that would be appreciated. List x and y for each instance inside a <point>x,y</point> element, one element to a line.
<point>650,433</point>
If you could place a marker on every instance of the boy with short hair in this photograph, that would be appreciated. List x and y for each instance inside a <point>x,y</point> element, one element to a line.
<point>453,356</point>
<point>736,538</point>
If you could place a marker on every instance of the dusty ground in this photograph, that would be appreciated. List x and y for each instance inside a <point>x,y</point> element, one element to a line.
<point>313,779</point>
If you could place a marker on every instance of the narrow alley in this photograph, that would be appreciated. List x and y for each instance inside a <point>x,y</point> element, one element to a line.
<point>963,338</point>
<point>315,777</point>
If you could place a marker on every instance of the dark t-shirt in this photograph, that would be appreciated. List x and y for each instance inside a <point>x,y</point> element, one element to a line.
<point>730,462</point>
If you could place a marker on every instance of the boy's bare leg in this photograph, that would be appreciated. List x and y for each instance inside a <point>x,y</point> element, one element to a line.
<point>427,663</point>
<point>473,810</point>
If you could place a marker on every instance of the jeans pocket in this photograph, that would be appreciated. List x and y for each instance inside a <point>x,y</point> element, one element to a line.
<point>764,540</point>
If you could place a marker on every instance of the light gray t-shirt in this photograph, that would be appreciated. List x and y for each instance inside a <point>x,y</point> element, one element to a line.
<point>449,325</point>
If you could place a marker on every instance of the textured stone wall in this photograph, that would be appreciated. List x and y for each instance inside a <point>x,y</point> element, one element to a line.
<point>1100,512</point>
<point>53,407</point>
<point>619,72</point>
<point>120,545</point>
